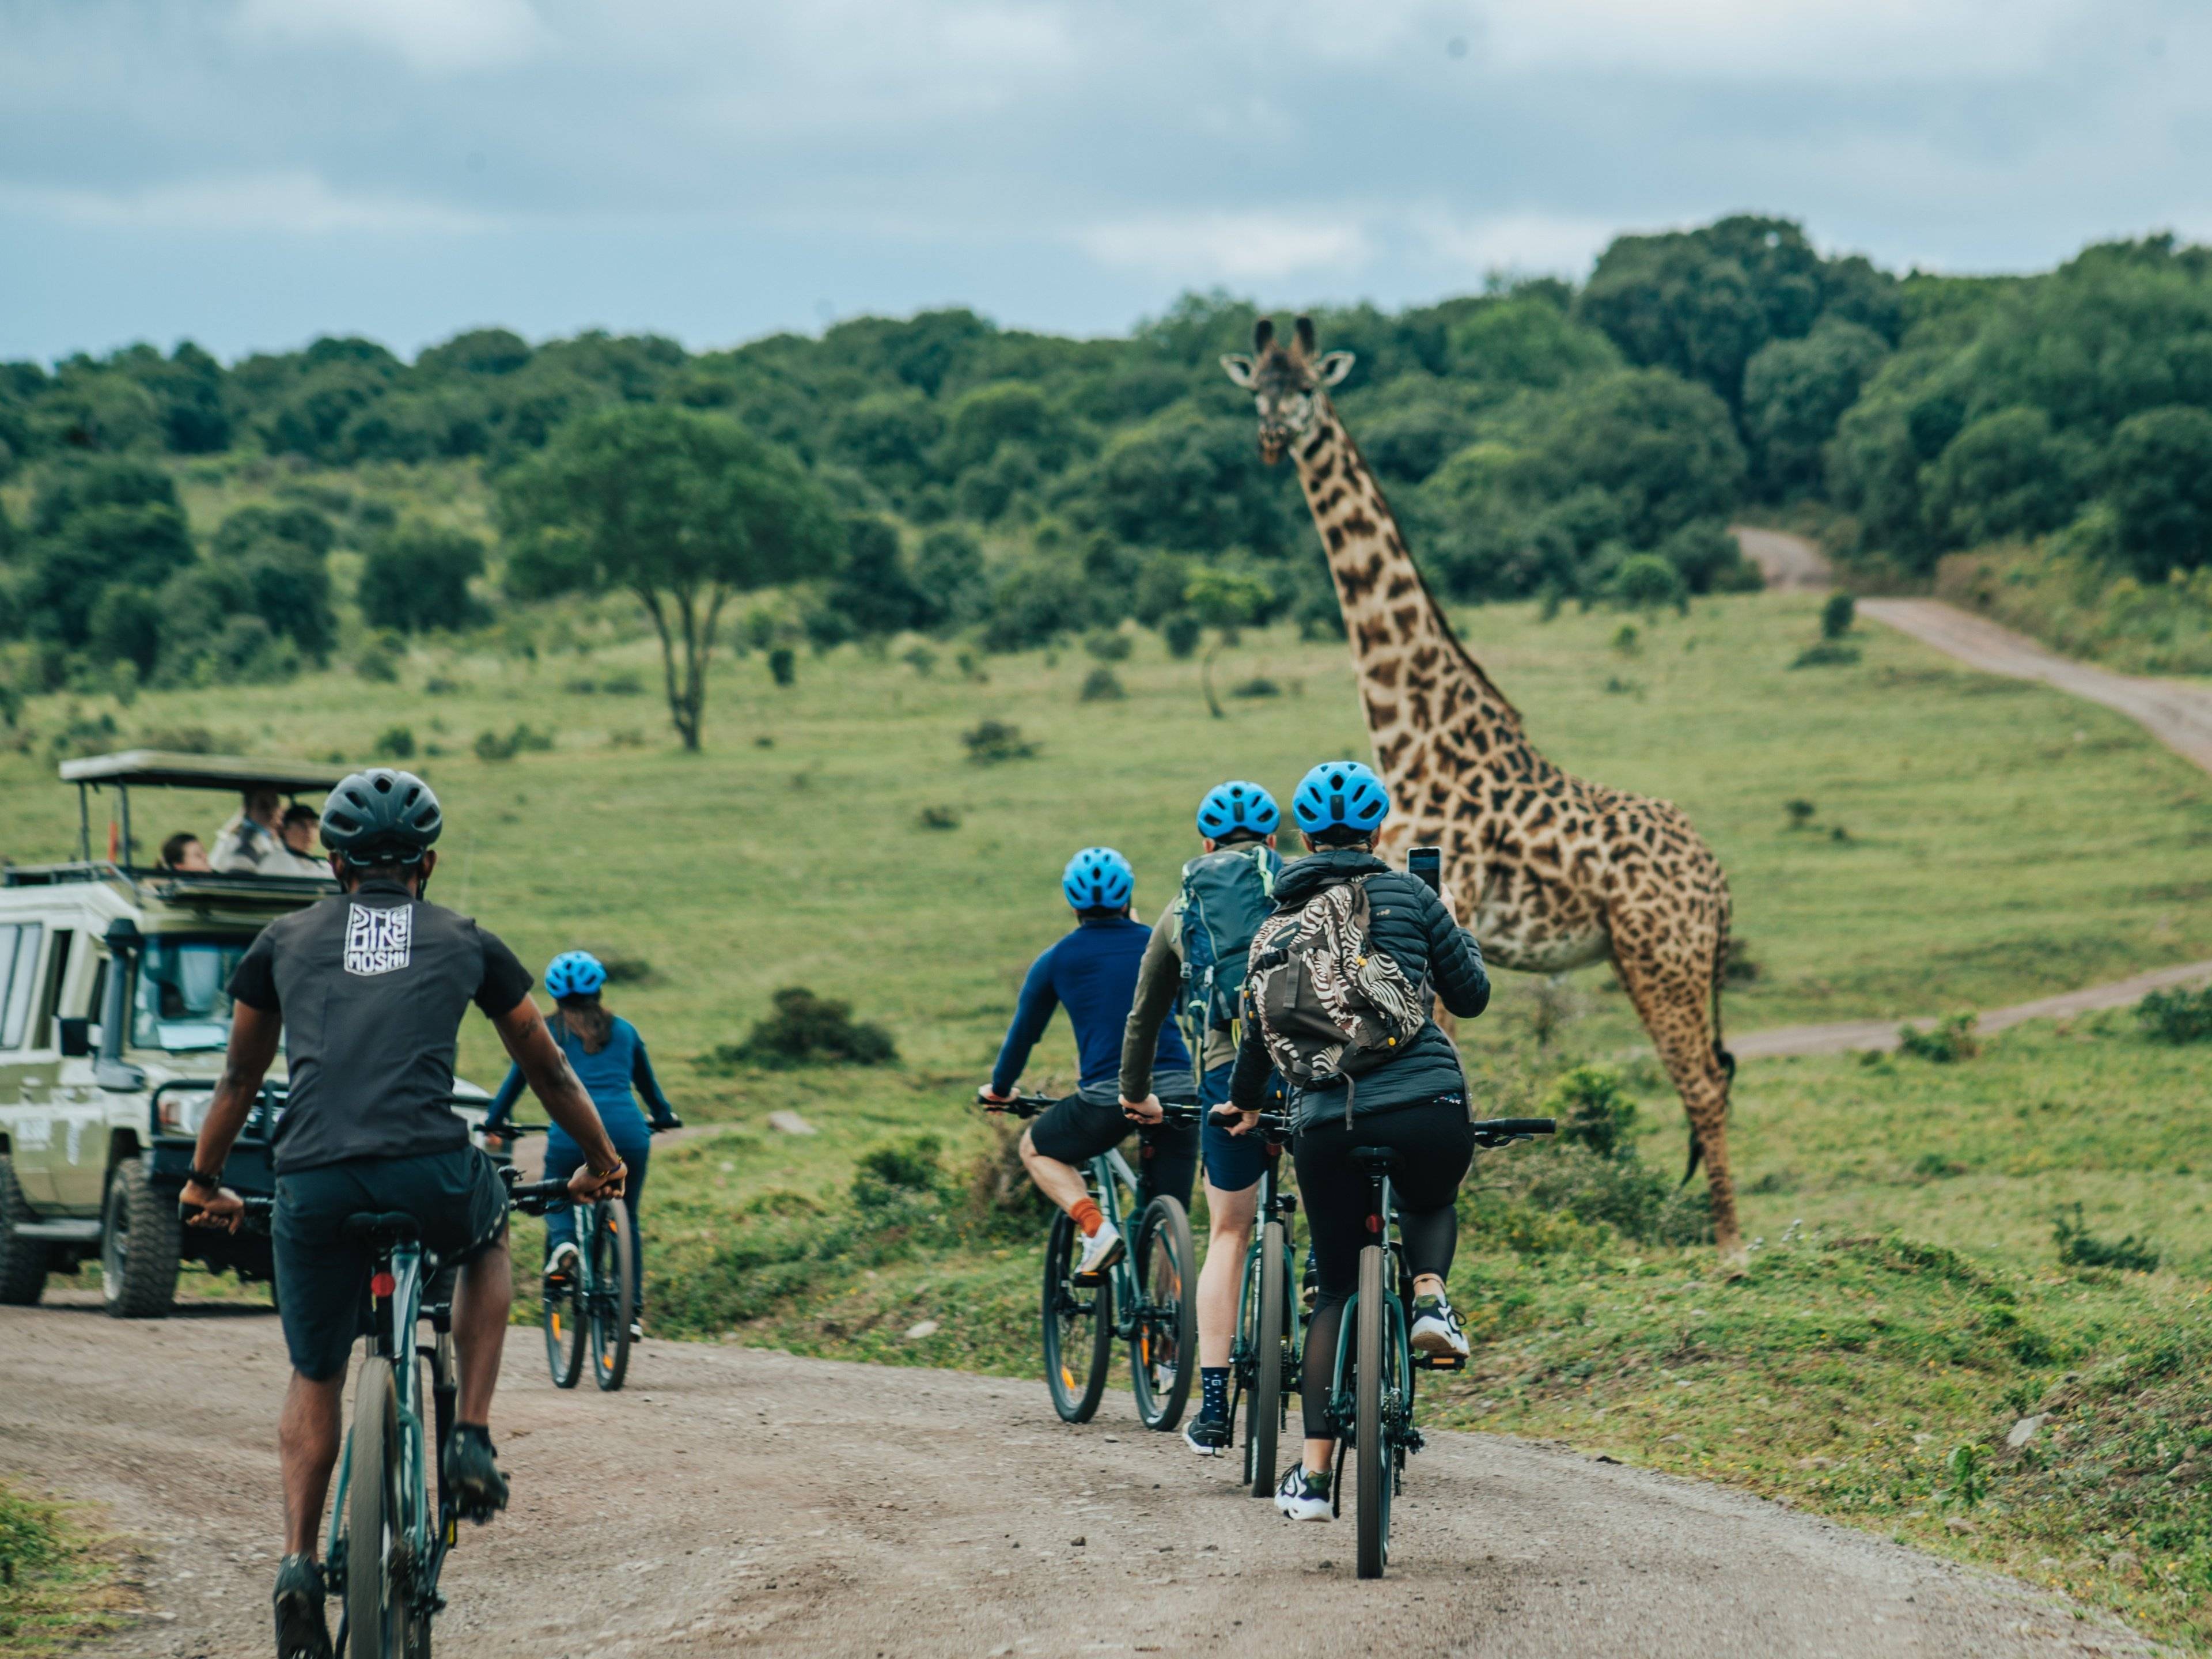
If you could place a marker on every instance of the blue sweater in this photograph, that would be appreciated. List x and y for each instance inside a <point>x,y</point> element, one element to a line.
<point>1092,972</point>
<point>608,1077</point>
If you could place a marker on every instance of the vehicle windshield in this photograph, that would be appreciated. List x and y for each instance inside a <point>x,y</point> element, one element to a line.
<point>182,1004</point>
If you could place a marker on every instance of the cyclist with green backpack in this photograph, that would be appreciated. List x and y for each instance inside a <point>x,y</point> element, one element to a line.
<point>1337,995</point>
<point>1195,964</point>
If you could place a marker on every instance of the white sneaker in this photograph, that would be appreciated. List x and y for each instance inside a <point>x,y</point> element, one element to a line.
<point>637,1330</point>
<point>561,1264</point>
<point>1100,1251</point>
<point>1436,1330</point>
<point>1303,1496</point>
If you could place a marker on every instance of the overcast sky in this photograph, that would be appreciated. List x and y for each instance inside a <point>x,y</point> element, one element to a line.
<point>250,173</point>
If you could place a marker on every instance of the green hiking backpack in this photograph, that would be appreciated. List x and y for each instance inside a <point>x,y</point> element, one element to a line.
<point>1226,894</point>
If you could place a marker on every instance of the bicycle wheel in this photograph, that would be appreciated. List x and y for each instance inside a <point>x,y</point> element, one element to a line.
<point>1078,1327</point>
<point>610,1293</point>
<point>376,1611</point>
<point>563,1318</point>
<point>1263,1421</point>
<point>1373,1382</point>
<point>1164,1344</point>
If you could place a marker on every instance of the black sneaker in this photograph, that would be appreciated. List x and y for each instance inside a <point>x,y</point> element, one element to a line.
<point>301,1631</point>
<point>473,1473</point>
<point>1209,1437</point>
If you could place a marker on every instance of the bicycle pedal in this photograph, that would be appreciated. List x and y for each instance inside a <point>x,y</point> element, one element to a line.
<point>1438,1362</point>
<point>1414,1442</point>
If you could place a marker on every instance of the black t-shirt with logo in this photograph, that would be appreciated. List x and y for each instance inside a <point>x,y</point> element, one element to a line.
<point>373,985</point>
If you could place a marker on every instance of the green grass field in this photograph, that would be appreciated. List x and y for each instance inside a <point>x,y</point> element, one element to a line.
<point>1973,842</point>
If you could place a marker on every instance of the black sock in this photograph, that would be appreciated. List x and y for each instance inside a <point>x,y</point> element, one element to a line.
<point>1214,1381</point>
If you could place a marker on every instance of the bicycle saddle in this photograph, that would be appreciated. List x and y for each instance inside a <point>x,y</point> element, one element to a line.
<point>1375,1160</point>
<point>391,1227</point>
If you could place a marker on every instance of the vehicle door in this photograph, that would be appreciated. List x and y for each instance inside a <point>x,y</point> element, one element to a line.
<point>28,1062</point>
<point>78,1154</point>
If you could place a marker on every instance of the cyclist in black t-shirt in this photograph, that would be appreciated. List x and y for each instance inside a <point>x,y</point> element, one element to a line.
<point>367,990</point>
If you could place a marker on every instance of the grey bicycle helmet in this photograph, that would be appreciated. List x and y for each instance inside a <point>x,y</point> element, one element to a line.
<point>381,817</point>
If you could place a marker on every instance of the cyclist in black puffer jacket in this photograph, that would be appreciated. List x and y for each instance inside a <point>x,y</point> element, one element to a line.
<point>1416,1103</point>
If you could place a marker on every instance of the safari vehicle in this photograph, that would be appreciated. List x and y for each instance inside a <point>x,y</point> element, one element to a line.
<point>114,1019</point>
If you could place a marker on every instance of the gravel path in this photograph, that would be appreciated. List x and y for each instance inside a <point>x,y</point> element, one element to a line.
<point>743,1501</point>
<point>1786,561</point>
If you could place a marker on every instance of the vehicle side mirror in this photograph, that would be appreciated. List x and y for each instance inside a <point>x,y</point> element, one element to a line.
<point>74,1037</point>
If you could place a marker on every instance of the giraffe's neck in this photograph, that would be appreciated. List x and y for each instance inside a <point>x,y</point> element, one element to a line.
<point>1426,697</point>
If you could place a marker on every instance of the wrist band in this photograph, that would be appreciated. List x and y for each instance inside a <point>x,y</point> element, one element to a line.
<point>620,1168</point>
<point>201,1178</point>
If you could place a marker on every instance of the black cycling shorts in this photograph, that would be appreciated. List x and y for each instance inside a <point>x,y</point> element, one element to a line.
<point>1076,1130</point>
<point>322,1279</point>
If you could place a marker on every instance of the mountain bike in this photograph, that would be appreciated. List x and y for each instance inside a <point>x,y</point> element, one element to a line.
<point>1148,1298</point>
<point>594,1305</point>
<point>388,1543</point>
<point>1270,1335</point>
<point>1370,1400</point>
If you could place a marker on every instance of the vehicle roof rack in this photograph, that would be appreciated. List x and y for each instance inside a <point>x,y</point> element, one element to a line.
<point>157,769</point>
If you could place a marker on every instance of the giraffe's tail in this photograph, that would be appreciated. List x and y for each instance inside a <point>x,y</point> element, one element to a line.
<point>1721,1057</point>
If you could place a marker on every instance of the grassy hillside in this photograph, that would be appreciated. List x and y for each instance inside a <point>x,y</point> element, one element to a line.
<point>1970,843</point>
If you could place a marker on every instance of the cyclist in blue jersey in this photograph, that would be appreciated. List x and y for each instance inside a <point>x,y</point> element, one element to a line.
<point>608,1058</point>
<point>1092,973</point>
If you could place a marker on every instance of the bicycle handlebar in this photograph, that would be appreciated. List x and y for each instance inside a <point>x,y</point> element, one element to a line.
<point>537,1196</point>
<point>1503,1131</point>
<point>1026,1106</point>
<point>516,1131</point>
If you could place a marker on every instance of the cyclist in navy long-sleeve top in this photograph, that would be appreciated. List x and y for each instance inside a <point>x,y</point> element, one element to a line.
<point>1092,973</point>
<point>609,1060</point>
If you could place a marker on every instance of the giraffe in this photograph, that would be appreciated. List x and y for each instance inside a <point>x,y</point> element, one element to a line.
<point>1550,871</point>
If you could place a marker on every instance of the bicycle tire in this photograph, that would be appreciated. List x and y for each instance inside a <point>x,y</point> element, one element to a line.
<point>1263,1424</point>
<point>1164,1341</point>
<point>1079,1328</point>
<point>376,1617</point>
<point>612,1294</point>
<point>561,1312</point>
<point>1372,1454</point>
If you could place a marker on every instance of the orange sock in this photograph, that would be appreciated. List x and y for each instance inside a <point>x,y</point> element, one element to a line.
<point>1086,1216</point>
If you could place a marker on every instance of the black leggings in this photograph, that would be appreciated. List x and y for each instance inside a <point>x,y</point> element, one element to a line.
<point>1434,1143</point>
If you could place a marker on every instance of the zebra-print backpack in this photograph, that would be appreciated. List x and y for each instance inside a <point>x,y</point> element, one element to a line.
<point>1330,1005</point>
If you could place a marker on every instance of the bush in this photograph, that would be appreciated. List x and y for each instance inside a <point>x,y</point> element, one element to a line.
<point>806,1030</point>
<point>1801,812</point>
<point>492,746</point>
<point>1646,582</point>
<point>1594,1111</point>
<point>2177,1016</point>
<point>921,659</point>
<point>940,817</point>
<point>1838,615</point>
<point>624,970</point>
<point>1948,1042</point>
<point>1258,686</point>
<point>910,1166</point>
<point>994,741</point>
<point>1101,685</point>
<point>1740,966</point>
<point>179,740</point>
<point>397,743</point>
<point>782,665</point>
<point>2080,1248</point>
<point>1827,653</point>
<point>377,665</point>
<point>1107,645</point>
<point>1182,632</point>
<point>418,578</point>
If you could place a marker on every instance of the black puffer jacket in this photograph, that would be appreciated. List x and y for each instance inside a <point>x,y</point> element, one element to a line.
<point>1413,926</point>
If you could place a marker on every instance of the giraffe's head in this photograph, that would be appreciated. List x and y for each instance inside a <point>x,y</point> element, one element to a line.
<point>1284,381</point>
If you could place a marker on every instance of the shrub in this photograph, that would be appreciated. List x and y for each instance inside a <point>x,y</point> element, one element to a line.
<point>1646,582</point>
<point>1101,685</point>
<point>438,685</point>
<point>1949,1040</point>
<point>2177,1016</point>
<point>806,1030</point>
<point>1627,641</point>
<point>1801,812</point>
<point>994,741</point>
<point>921,659</point>
<point>492,746</point>
<point>782,665</point>
<point>624,970</point>
<point>1107,645</point>
<point>1739,966</point>
<point>417,578</point>
<point>1594,1111</point>
<point>1258,686</point>
<point>1182,633</point>
<point>940,817</point>
<point>910,1166</point>
<point>1838,615</point>
<point>397,742</point>
<point>2080,1248</point>
<point>180,740</point>
<point>1827,653</point>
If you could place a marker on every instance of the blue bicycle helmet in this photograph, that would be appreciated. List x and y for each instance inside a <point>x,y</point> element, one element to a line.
<point>1098,879</point>
<point>1341,795</point>
<point>1235,805</point>
<point>574,973</point>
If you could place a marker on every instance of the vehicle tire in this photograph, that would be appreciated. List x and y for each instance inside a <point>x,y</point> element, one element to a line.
<point>141,1246</point>
<point>612,1293</point>
<point>1263,1423</point>
<point>1163,1344</point>
<point>22,1261</point>
<point>1078,1327</point>
<point>377,1618</point>
<point>562,1314</point>
<point>1371,1455</point>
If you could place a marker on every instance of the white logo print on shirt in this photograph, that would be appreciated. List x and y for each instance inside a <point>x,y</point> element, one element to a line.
<point>379,940</point>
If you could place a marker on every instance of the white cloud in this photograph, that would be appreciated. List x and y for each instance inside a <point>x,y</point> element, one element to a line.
<point>1796,41</point>
<point>293,201</point>
<point>1230,247</point>
<point>436,36</point>
<point>1518,242</point>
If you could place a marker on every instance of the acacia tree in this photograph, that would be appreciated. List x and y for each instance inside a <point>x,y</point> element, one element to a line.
<point>682,509</point>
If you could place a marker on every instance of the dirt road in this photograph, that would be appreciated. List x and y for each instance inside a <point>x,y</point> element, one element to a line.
<point>1786,561</point>
<point>736,1500</point>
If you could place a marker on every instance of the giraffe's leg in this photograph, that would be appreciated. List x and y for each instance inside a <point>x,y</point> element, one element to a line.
<point>1674,1002</point>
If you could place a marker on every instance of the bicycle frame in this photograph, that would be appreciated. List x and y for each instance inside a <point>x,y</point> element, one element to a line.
<point>1108,1175</point>
<point>1275,1204</point>
<point>1402,1438</point>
